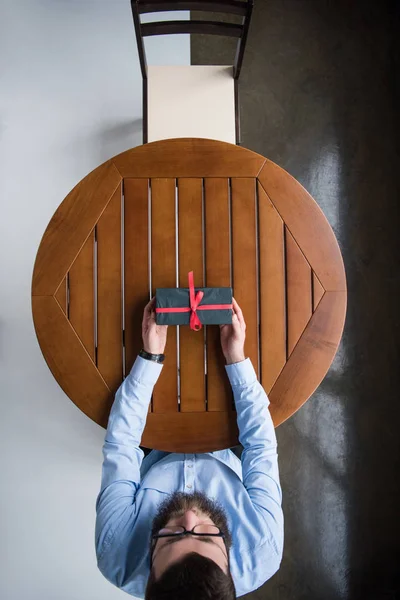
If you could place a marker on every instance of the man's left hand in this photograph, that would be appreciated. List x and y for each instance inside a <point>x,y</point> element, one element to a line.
<point>154,336</point>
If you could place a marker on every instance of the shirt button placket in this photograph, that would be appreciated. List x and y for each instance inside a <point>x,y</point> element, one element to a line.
<point>189,472</point>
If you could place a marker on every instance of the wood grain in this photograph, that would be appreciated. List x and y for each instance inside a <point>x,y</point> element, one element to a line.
<point>81,295</point>
<point>191,343</point>
<point>313,265</point>
<point>69,361</point>
<point>136,264</point>
<point>163,269</point>
<point>244,259</point>
<point>307,224</point>
<point>272,291</point>
<point>310,360</point>
<point>69,227</point>
<point>218,274</point>
<point>61,295</point>
<point>192,26</point>
<point>191,432</point>
<point>109,293</point>
<point>299,300</point>
<point>236,7</point>
<point>318,291</point>
<point>186,157</point>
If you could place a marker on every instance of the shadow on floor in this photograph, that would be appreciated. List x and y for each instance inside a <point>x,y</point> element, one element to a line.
<point>318,96</point>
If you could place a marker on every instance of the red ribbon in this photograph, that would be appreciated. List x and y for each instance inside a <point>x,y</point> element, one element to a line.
<point>195,300</point>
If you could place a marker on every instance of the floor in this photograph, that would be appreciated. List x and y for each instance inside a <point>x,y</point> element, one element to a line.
<point>318,96</point>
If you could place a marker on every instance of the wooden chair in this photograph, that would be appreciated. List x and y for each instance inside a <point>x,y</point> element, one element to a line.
<point>191,101</point>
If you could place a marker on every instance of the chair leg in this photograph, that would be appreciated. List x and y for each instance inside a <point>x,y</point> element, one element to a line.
<point>237,113</point>
<point>145,111</point>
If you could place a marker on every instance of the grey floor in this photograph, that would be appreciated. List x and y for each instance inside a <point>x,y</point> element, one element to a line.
<point>319,96</point>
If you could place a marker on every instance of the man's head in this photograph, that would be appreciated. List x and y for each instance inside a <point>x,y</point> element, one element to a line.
<point>189,566</point>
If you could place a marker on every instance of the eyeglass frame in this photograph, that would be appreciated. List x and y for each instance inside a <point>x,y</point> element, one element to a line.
<point>183,533</point>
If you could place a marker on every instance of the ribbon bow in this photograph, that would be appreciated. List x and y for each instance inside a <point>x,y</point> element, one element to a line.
<point>195,300</point>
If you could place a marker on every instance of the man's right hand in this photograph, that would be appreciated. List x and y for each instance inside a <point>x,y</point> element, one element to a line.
<point>233,336</point>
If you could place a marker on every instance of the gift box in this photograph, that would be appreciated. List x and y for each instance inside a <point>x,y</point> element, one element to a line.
<point>193,306</point>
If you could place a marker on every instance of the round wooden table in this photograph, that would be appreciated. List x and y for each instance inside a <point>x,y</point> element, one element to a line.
<point>143,220</point>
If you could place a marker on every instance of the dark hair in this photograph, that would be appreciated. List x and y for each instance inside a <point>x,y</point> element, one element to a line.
<point>195,577</point>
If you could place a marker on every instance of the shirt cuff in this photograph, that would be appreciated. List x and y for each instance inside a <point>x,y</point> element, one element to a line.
<point>241,373</point>
<point>145,371</point>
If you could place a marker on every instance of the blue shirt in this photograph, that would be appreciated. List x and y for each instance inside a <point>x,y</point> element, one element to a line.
<point>132,488</point>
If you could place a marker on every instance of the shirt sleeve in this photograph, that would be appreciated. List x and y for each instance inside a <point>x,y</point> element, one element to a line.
<point>122,456</point>
<point>259,457</point>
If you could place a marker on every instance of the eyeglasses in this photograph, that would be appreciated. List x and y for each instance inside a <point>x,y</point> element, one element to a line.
<point>200,529</point>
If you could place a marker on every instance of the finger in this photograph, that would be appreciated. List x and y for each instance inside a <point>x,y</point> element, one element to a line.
<point>148,307</point>
<point>235,322</point>
<point>238,312</point>
<point>235,306</point>
<point>152,304</point>
<point>147,311</point>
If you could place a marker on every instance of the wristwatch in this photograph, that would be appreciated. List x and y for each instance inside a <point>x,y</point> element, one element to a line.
<point>158,358</point>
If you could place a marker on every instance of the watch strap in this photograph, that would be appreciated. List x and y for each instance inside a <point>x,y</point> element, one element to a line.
<point>159,358</point>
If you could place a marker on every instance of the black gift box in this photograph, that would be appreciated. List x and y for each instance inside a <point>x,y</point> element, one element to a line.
<point>179,298</point>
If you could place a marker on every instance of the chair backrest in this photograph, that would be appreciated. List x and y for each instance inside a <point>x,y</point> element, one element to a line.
<point>242,8</point>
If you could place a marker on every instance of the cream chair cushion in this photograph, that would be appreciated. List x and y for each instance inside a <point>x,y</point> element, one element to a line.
<point>191,101</point>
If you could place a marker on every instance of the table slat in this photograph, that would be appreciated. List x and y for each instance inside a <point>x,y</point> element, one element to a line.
<point>136,264</point>
<point>272,291</point>
<point>69,227</point>
<point>191,343</point>
<point>244,259</point>
<point>61,295</point>
<point>218,274</point>
<point>191,432</point>
<point>307,364</point>
<point>318,291</point>
<point>299,301</point>
<point>109,293</point>
<point>81,295</point>
<point>307,223</point>
<point>163,272</point>
<point>69,360</point>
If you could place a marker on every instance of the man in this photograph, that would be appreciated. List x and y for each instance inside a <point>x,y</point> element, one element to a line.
<point>189,526</point>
